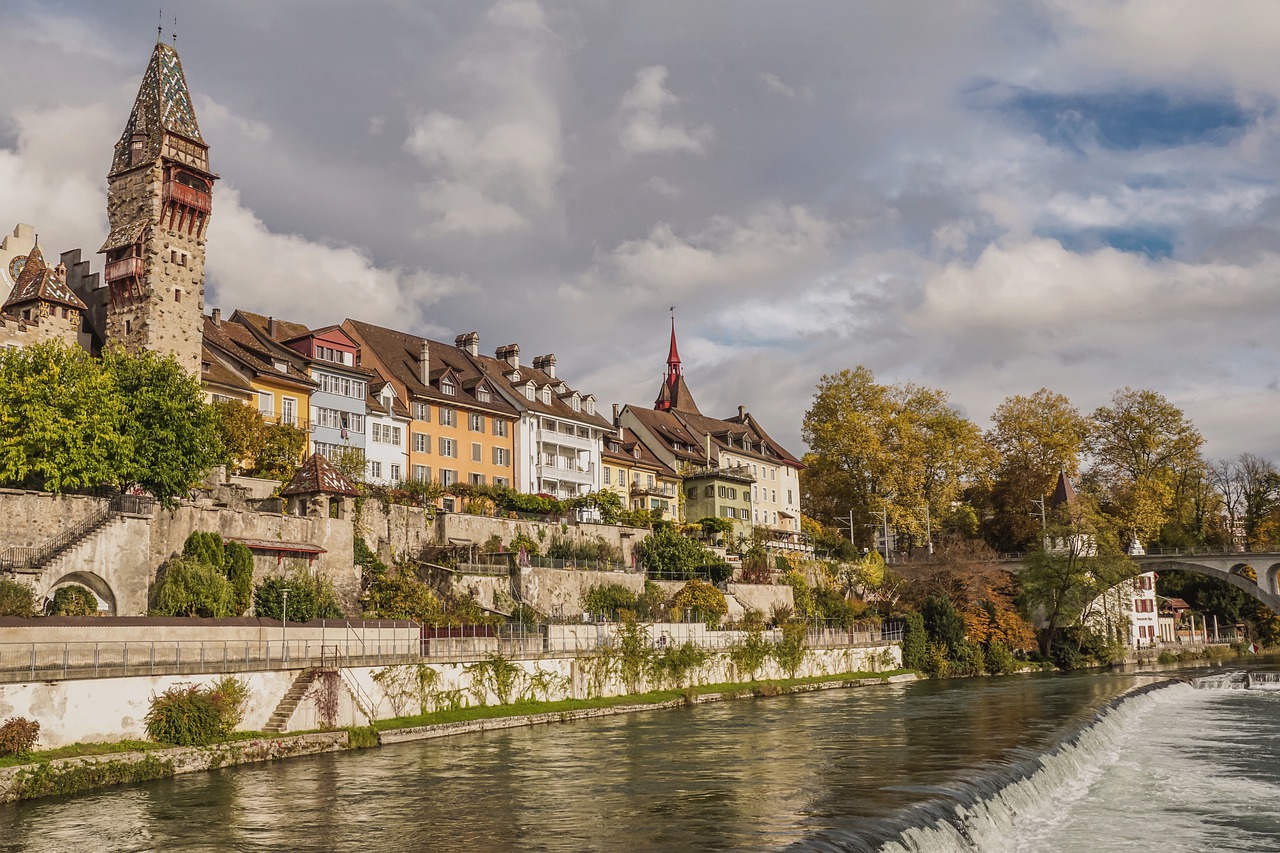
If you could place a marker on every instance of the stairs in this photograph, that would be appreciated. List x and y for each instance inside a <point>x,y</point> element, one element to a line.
<point>289,702</point>
<point>34,560</point>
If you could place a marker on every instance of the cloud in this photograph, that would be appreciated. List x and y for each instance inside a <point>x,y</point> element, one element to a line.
<point>644,130</point>
<point>244,255</point>
<point>521,14</point>
<point>217,121</point>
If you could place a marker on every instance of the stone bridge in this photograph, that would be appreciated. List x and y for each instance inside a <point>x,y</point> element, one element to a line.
<point>1227,566</point>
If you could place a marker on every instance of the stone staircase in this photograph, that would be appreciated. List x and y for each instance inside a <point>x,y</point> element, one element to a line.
<point>39,558</point>
<point>289,702</point>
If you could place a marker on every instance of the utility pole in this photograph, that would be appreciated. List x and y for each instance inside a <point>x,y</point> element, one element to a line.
<point>1043,522</point>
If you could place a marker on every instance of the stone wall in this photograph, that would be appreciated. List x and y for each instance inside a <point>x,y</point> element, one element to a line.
<point>28,519</point>
<point>558,592</point>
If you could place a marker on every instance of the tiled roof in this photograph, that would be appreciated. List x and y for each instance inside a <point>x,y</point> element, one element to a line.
<point>672,432</point>
<point>628,443</point>
<point>126,234</point>
<point>317,474</point>
<point>558,407</point>
<point>399,353</point>
<point>239,344</point>
<point>285,331</point>
<point>38,283</point>
<point>217,373</point>
<point>163,104</point>
<point>1064,494</point>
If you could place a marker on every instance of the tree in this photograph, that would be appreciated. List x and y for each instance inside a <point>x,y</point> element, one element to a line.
<point>668,555</point>
<point>607,502</point>
<point>1146,452</point>
<point>16,598</point>
<point>281,453</point>
<point>238,560</point>
<point>309,598</point>
<point>241,432</point>
<point>73,600</point>
<point>398,594</point>
<point>170,433</point>
<point>898,448</point>
<point>1249,487</point>
<point>1033,438</point>
<point>60,422</point>
<point>351,463</point>
<point>186,586</point>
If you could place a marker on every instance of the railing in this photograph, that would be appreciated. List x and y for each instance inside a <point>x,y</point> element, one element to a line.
<point>737,473</point>
<point>48,661</point>
<point>271,418</point>
<point>20,559</point>
<point>183,194</point>
<point>123,268</point>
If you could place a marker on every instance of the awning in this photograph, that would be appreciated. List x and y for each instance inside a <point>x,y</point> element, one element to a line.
<point>276,546</point>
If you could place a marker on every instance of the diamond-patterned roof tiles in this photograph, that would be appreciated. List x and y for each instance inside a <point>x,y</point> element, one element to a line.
<point>317,474</point>
<point>163,104</point>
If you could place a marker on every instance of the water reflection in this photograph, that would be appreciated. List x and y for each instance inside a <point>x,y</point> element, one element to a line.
<point>744,775</point>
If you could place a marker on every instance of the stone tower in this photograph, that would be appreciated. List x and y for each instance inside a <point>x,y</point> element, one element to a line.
<point>159,197</point>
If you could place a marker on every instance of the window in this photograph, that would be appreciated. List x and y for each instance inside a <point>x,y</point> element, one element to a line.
<point>448,447</point>
<point>482,393</point>
<point>583,432</point>
<point>448,477</point>
<point>289,410</point>
<point>575,403</point>
<point>375,470</point>
<point>591,406</point>
<point>501,456</point>
<point>342,386</point>
<point>477,452</point>
<point>546,395</point>
<point>729,492</point>
<point>448,417</point>
<point>475,423</point>
<point>177,294</point>
<point>789,496</point>
<point>755,493</point>
<point>422,412</point>
<point>727,512</point>
<point>709,492</point>
<point>477,479</point>
<point>447,387</point>
<point>422,473</point>
<point>650,481</point>
<point>394,474</point>
<point>773,495</point>
<point>501,481</point>
<point>499,428</point>
<point>756,516</point>
<point>266,403</point>
<point>421,442</point>
<point>608,476</point>
<point>529,390</point>
<point>692,494</point>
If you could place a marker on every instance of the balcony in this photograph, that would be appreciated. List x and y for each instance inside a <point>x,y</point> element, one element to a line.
<point>568,473</point>
<point>273,419</point>
<point>124,268</point>
<point>733,473</point>
<point>184,195</point>
<point>655,490</point>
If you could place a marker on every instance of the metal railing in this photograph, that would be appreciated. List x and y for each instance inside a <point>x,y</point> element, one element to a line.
<point>34,558</point>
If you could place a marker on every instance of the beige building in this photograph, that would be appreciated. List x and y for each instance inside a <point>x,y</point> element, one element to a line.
<point>41,307</point>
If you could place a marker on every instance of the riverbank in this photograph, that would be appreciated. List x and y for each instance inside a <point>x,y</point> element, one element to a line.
<point>56,773</point>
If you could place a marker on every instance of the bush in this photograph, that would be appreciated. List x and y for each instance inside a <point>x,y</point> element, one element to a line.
<point>915,643</point>
<point>702,598</point>
<point>187,586</point>
<point>17,736</point>
<point>1000,661</point>
<point>608,599</point>
<point>398,595</point>
<point>73,600</point>
<point>16,598</point>
<point>309,598</point>
<point>1166,658</point>
<point>668,555</point>
<point>801,593</point>
<point>205,547</point>
<point>239,564</point>
<point>185,716</point>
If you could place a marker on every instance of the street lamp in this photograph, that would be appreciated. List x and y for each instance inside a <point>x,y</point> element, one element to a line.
<point>284,622</point>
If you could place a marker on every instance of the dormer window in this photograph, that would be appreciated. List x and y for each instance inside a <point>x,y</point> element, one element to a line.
<point>281,367</point>
<point>529,390</point>
<point>447,387</point>
<point>636,452</point>
<point>482,394</point>
<point>576,403</point>
<point>591,406</point>
<point>546,395</point>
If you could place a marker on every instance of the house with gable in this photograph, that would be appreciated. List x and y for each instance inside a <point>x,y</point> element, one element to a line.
<point>729,468</point>
<point>41,307</point>
<point>639,478</point>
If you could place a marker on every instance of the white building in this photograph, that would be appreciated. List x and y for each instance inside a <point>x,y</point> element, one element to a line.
<point>386,451</point>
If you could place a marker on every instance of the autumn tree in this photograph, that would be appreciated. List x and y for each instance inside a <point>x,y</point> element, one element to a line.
<point>60,422</point>
<point>1249,487</point>
<point>281,452</point>
<point>1146,460</point>
<point>1032,439</point>
<point>241,432</point>
<point>169,433</point>
<point>900,448</point>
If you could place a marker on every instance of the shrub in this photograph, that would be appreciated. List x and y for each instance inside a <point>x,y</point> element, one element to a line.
<point>16,598</point>
<point>398,595</point>
<point>703,598</point>
<point>17,736</point>
<point>608,599</point>
<point>186,715</point>
<point>801,593</point>
<point>205,547</point>
<point>667,554</point>
<point>309,598</point>
<point>239,563</point>
<point>749,654</point>
<point>231,695</point>
<point>1000,661</point>
<point>789,652</point>
<point>1166,658</point>
<point>915,643</point>
<point>73,600</point>
<point>189,587</point>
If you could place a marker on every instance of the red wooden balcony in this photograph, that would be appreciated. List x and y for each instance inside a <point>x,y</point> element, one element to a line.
<point>184,195</point>
<point>124,268</point>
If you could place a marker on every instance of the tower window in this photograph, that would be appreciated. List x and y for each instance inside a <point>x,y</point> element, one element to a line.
<point>177,295</point>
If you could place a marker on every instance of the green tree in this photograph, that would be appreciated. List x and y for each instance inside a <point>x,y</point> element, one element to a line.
<point>281,453</point>
<point>398,594</point>
<point>242,433</point>
<point>607,502</point>
<point>239,567</point>
<point>309,598</point>
<point>186,586</point>
<point>73,600</point>
<point>16,598</point>
<point>60,422</point>
<point>170,432</point>
<point>915,642</point>
<point>898,448</point>
<point>668,555</point>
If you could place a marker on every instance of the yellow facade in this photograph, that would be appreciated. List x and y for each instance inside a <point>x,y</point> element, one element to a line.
<point>460,444</point>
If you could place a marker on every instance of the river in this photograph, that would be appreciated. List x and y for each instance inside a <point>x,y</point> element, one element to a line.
<point>1024,763</point>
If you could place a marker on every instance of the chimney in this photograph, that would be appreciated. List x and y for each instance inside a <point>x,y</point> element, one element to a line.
<point>424,363</point>
<point>742,414</point>
<point>273,328</point>
<point>617,414</point>
<point>510,354</point>
<point>469,341</point>
<point>217,316</point>
<point>708,437</point>
<point>546,363</point>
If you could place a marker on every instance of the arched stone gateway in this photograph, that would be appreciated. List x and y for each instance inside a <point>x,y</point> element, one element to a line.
<point>95,584</point>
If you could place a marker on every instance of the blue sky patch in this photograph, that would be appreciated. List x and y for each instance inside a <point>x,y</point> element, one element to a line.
<point>1128,120</point>
<point>1153,244</point>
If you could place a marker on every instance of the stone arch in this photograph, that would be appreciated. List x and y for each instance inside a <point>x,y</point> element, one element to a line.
<point>1231,576</point>
<point>93,583</point>
<point>1268,579</point>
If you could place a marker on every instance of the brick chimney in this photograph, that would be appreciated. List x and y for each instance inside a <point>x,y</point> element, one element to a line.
<point>424,363</point>
<point>510,354</point>
<point>273,328</point>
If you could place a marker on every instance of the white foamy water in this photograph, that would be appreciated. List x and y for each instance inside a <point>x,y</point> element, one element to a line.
<point>1178,770</point>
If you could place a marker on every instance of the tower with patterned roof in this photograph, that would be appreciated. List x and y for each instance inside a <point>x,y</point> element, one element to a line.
<point>159,199</point>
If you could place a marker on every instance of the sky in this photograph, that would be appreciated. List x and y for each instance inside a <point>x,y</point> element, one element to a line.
<point>983,197</point>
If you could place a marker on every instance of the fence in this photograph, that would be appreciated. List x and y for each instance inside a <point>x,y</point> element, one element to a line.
<point>501,564</point>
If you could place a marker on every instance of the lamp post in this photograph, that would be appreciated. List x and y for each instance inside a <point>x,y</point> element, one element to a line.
<point>284,623</point>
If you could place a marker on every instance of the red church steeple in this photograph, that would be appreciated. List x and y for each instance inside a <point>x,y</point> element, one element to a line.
<point>674,394</point>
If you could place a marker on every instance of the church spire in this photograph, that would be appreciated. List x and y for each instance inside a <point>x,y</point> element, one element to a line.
<point>674,394</point>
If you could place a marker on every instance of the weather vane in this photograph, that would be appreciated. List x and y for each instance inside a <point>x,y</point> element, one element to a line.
<point>159,25</point>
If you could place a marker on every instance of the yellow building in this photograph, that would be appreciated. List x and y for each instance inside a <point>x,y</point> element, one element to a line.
<point>461,428</point>
<point>638,477</point>
<point>275,385</point>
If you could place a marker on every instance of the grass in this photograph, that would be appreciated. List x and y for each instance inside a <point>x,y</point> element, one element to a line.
<point>76,750</point>
<point>519,709</point>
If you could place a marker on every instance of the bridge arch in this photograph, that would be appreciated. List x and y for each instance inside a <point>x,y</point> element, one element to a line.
<point>1265,595</point>
<point>94,583</point>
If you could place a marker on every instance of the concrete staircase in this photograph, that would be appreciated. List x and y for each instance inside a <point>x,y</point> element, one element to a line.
<point>289,703</point>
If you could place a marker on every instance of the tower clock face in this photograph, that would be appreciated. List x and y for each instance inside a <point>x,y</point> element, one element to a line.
<point>15,267</point>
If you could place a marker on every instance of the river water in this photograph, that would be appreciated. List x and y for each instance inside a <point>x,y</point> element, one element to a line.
<point>1026,763</point>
